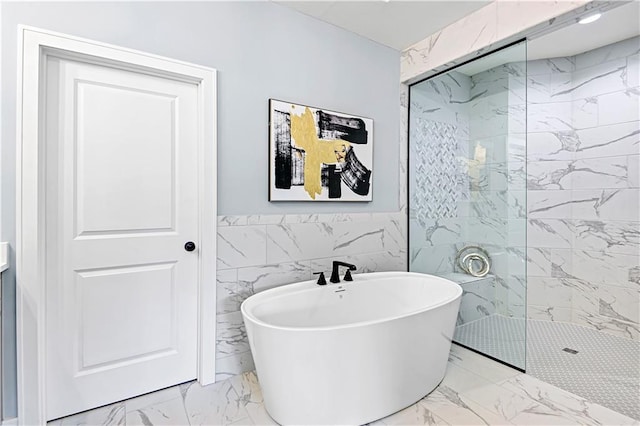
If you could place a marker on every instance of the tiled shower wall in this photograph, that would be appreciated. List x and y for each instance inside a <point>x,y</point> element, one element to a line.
<point>439,139</point>
<point>583,189</point>
<point>260,252</point>
<point>497,208</point>
<point>468,180</point>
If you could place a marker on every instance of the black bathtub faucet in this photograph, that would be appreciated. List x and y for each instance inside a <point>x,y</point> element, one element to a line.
<point>335,277</point>
<point>321,278</point>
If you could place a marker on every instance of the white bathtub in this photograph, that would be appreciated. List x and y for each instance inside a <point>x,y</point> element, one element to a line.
<point>352,352</point>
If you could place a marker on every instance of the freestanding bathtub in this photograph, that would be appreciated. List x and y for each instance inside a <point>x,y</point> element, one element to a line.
<point>352,352</point>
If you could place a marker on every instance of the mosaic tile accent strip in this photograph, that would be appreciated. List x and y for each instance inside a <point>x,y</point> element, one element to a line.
<point>436,169</point>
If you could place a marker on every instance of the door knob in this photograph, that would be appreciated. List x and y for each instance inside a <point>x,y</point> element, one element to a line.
<point>190,246</point>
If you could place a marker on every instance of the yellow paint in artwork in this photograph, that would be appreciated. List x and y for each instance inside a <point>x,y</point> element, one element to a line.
<point>318,151</point>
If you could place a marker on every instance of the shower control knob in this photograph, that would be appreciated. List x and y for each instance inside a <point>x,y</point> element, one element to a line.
<point>190,246</point>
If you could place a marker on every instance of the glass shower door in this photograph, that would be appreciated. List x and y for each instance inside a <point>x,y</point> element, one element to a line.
<point>467,195</point>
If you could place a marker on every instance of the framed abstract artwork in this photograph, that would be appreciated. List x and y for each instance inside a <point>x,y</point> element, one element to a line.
<point>318,155</point>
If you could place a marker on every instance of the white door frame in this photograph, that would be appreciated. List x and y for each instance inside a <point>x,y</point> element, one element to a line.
<point>34,45</point>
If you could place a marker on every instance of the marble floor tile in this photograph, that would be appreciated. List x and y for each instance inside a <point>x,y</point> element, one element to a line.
<point>490,370</point>
<point>152,398</point>
<point>457,409</point>
<point>612,378</point>
<point>571,406</point>
<point>504,402</point>
<point>417,414</point>
<point>534,418</point>
<point>245,422</point>
<point>248,389</point>
<point>259,416</point>
<point>462,380</point>
<point>169,412</point>
<point>216,404</point>
<point>475,391</point>
<point>109,415</point>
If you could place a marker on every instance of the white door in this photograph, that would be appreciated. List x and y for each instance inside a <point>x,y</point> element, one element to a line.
<point>121,202</point>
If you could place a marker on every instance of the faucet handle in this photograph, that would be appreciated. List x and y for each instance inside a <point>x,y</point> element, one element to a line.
<point>321,279</point>
<point>347,276</point>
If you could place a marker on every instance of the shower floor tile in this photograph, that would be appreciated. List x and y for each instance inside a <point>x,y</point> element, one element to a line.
<point>500,337</point>
<point>605,369</point>
<point>475,390</point>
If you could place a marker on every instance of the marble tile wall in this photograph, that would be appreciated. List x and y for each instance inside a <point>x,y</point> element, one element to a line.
<point>478,299</point>
<point>467,149</point>
<point>497,208</point>
<point>580,190</point>
<point>496,25</point>
<point>439,135</point>
<point>256,253</point>
<point>583,191</point>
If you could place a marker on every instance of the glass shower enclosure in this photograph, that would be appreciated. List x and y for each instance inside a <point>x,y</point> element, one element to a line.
<point>467,195</point>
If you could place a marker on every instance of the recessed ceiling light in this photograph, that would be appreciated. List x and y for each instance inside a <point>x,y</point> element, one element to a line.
<point>589,19</point>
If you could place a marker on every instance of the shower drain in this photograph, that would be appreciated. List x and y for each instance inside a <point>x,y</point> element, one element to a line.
<point>571,351</point>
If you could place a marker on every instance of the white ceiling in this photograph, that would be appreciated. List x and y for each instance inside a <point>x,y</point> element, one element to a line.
<point>397,24</point>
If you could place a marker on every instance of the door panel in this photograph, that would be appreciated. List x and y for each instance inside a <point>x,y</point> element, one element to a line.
<point>115,314</point>
<point>141,195</point>
<point>121,309</point>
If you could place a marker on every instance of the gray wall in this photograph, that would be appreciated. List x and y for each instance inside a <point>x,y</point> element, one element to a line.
<point>261,50</point>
